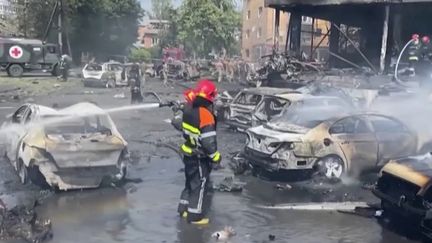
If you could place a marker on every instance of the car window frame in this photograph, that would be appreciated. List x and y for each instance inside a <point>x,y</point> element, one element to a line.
<point>358,118</point>
<point>403,125</point>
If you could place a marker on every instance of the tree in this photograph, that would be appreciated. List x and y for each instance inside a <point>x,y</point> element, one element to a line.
<point>160,7</point>
<point>101,27</point>
<point>208,25</point>
<point>140,55</point>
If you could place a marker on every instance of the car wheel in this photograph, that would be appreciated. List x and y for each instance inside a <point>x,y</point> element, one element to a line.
<point>15,70</point>
<point>332,167</point>
<point>22,172</point>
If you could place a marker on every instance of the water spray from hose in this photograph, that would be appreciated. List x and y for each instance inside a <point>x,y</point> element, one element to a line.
<point>398,61</point>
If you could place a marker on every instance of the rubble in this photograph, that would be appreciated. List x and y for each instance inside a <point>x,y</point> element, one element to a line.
<point>229,184</point>
<point>23,223</point>
<point>224,235</point>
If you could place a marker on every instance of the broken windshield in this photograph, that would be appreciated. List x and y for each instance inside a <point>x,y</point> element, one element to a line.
<point>307,117</point>
<point>81,125</point>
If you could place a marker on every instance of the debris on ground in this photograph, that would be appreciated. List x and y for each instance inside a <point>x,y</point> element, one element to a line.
<point>57,85</point>
<point>324,206</point>
<point>23,223</point>
<point>120,96</point>
<point>229,184</point>
<point>272,237</point>
<point>367,212</point>
<point>283,187</point>
<point>239,165</point>
<point>224,235</point>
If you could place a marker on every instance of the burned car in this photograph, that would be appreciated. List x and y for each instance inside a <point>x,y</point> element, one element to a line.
<point>240,110</point>
<point>272,106</point>
<point>72,148</point>
<point>405,189</point>
<point>107,75</point>
<point>322,138</point>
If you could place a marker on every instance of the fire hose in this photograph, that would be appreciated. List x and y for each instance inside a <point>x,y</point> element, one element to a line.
<point>398,61</point>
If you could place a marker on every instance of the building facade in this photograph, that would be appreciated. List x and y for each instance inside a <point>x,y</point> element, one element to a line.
<point>258,30</point>
<point>7,8</point>
<point>149,33</point>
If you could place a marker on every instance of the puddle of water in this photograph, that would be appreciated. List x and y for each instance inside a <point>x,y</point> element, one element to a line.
<point>149,215</point>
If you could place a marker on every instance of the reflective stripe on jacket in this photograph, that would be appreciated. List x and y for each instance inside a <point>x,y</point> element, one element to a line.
<point>199,131</point>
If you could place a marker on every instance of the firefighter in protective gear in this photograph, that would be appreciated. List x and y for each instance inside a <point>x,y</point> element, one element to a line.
<point>200,152</point>
<point>423,69</point>
<point>413,54</point>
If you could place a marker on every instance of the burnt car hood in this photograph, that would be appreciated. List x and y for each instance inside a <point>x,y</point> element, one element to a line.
<point>276,134</point>
<point>415,169</point>
<point>286,127</point>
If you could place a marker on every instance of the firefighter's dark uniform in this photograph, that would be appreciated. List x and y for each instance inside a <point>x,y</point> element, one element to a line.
<point>136,95</point>
<point>414,52</point>
<point>200,151</point>
<point>424,66</point>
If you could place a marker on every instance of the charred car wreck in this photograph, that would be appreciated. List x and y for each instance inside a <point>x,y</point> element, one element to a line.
<point>320,138</point>
<point>73,148</point>
<point>405,190</point>
<point>240,111</point>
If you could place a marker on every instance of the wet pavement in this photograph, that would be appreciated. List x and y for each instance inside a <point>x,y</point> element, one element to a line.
<point>146,211</point>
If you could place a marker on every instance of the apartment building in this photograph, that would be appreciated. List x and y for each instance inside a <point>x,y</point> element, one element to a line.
<point>149,32</point>
<point>258,30</point>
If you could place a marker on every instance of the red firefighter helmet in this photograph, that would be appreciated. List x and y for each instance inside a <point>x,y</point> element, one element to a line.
<point>206,89</point>
<point>426,39</point>
<point>415,37</point>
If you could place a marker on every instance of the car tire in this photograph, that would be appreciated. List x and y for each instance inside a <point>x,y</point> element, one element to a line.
<point>331,167</point>
<point>15,70</point>
<point>22,172</point>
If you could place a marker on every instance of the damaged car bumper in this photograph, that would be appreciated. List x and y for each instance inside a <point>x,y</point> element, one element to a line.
<point>93,82</point>
<point>274,162</point>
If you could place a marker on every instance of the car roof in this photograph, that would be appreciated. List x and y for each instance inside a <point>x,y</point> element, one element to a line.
<point>77,109</point>
<point>337,118</point>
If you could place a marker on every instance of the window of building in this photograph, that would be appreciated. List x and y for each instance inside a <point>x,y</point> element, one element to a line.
<point>259,32</point>
<point>248,14</point>
<point>247,53</point>
<point>155,41</point>
<point>247,34</point>
<point>260,12</point>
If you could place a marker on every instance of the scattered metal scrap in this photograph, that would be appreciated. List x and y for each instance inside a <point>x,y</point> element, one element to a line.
<point>22,222</point>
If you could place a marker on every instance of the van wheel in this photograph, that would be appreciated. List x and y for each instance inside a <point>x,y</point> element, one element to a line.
<point>15,70</point>
<point>22,172</point>
<point>331,167</point>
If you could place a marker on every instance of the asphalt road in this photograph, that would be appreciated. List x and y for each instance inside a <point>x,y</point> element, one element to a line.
<point>146,211</point>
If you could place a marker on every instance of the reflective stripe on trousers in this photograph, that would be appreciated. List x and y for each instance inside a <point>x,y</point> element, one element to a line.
<point>198,209</point>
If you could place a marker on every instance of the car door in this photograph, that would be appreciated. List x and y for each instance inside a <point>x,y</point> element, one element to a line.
<point>117,71</point>
<point>17,131</point>
<point>395,140</point>
<point>356,138</point>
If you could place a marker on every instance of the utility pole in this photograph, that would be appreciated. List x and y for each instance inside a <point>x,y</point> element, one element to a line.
<point>59,26</point>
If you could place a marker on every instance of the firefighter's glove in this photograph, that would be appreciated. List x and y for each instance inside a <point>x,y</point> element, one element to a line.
<point>216,158</point>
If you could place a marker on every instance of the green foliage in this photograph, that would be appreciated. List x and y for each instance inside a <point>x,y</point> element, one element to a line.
<point>208,25</point>
<point>140,55</point>
<point>101,27</point>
